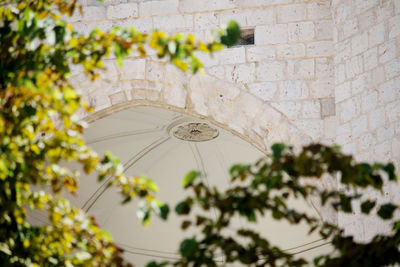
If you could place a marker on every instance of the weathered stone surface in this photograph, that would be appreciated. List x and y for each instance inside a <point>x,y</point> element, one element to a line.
<point>310,76</point>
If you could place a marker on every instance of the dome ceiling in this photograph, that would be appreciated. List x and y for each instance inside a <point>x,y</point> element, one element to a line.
<point>165,145</point>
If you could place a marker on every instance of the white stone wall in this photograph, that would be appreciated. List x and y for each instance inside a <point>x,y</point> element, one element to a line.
<point>280,89</point>
<point>367,87</point>
<point>320,70</point>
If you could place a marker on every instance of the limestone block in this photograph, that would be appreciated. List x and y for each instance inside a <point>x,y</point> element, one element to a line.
<point>89,13</point>
<point>260,53</point>
<point>370,59</point>
<point>122,11</point>
<point>311,109</point>
<point>330,127</point>
<point>133,69</point>
<point>271,71</point>
<point>268,118</point>
<point>242,73</point>
<point>264,90</point>
<point>360,83</point>
<point>301,69</point>
<point>348,109</point>
<point>376,35</point>
<point>322,88</point>
<point>291,109</point>
<point>366,141</point>
<point>388,91</point>
<point>359,126</point>
<point>235,55</point>
<point>208,60</point>
<point>113,88</point>
<point>387,51</point>
<point>155,71</point>
<point>377,118</point>
<point>392,68</point>
<point>354,66</point>
<point>248,17</point>
<point>393,112</point>
<point>290,90</point>
<point>250,105</point>
<point>323,30</point>
<point>320,49</point>
<point>340,74</point>
<point>378,75</point>
<point>174,23</point>
<point>396,147</point>
<point>270,34</point>
<point>369,101</point>
<point>204,5</point>
<point>397,7</point>
<point>217,71</point>
<point>318,10</point>
<point>301,31</point>
<point>342,92</point>
<point>152,8</point>
<point>174,91</point>
<point>142,24</point>
<point>259,16</point>
<point>362,5</point>
<point>110,72</point>
<point>117,98</point>
<point>342,51</point>
<point>343,11</point>
<point>359,43</point>
<point>324,68</point>
<point>291,51</point>
<point>240,122</point>
<point>385,133</point>
<point>205,21</point>
<point>367,19</point>
<point>87,27</point>
<point>247,3</point>
<point>328,107</point>
<point>382,152</point>
<point>394,27</point>
<point>99,100</point>
<point>350,27</point>
<point>292,13</point>
<point>313,127</point>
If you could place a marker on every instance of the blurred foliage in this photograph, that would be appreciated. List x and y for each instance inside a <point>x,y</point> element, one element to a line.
<point>40,131</point>
<point>263,189</point>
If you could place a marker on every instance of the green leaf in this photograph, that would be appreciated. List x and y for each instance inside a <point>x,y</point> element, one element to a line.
<point>188,247</point>
<point>390,170</point>
<point>386,211</point>
<point>345,203</point>
<point>155,264</point>
<point>182,208</point>
<point>189,178</point>
<point>232,34</point>
<point>277,150</point>
<point>367,206</point>
<point>164,211</point>
<point>185,224</point>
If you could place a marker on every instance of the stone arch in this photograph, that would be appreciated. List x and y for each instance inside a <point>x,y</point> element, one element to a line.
<point>278,90</point>
<point>202,96</point>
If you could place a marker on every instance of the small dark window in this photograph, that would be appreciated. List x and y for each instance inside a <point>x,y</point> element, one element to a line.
<point>246,37</point>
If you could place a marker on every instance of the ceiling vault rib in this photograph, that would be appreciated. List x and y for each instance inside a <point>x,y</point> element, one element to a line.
<point>200,166</point>
<point>103,187</point>
<point>124,134</point>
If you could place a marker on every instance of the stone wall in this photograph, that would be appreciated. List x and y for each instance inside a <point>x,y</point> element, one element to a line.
<point>280,89</point>
<point>367,87</point>
<point>319,70</point>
